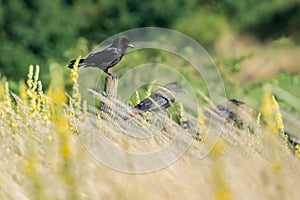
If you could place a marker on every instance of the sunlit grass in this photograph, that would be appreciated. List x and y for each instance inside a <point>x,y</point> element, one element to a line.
<point>41,158</point>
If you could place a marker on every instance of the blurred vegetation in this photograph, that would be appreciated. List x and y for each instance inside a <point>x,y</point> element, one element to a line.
<point>38,32</point>
<point>204,25</point>
<point>37,132</point>
<point>265,19</point>
<point>51,33</point>
<point>33,32</point>
<point>39,145</point>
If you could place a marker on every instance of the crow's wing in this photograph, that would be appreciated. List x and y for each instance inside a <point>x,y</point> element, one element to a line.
<point>154,102</point>
<point>103,59</point>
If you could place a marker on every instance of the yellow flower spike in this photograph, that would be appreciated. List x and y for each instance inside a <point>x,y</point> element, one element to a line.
<point>37,72</point>
<point>150,88</point>
<point>278,116</point>
<point>297,150</point>
<point>85,107</point>
<point>32,90</point>
<point>40,88</point>
<point>76,96</point>
<point>74,74</point>
<point>7,100</point>
<point>46,112</point>
<point>221,189</point>
<point>1,89</point>
<point>28,94</point>
<point>57,94</point>
<point>74,70</point>
<point>30,76</point>
<point>202,123</point>
<point>258,118</point>
<point>75,100</point>
<point>99,118</point>
<point>201,119</point>
<point>23,92</point>
<point>39,96</point>
<point>31,165</point>
<point>7,114</point>
<point>182,117</point>
<point>56,89</point>
<point>266,105</point>
<point>137,97</point>
<point>65,148</point>
<point>267,109</point>
<point>31,169</point>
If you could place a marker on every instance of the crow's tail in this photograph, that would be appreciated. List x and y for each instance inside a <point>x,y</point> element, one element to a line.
<point>72,62</point>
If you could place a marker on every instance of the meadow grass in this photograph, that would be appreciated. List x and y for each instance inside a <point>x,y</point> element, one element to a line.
<point>43,156</point>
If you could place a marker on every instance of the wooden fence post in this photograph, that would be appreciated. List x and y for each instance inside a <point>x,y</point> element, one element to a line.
<point>110,88</point>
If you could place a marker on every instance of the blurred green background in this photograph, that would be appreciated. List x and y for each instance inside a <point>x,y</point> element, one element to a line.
<point>251,41</point>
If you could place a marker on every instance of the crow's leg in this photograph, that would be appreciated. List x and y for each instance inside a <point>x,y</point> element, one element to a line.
<point>109,74</point>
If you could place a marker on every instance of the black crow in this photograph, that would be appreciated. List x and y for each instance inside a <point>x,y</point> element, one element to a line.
<point>162,98</point>
<point>234,111</point>
<point>106,58</point>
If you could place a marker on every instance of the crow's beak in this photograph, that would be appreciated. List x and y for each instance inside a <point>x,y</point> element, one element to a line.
<point>130,45</point>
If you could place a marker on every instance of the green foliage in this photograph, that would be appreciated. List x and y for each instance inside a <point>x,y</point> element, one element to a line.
<point>289,83</point>
<point>283,87</point>
<point>228,68</point>
<point>205,26</point>
<point>42,32</point>
<point>265,18</point>
<point>106,17</point>
<point>232,65</point>
<point>34,31</point>
<point>283,42</point>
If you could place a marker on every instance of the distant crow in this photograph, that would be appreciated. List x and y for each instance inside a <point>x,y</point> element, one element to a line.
<point>234,111</point>
<point>162,98</point>
<point>106,58</point>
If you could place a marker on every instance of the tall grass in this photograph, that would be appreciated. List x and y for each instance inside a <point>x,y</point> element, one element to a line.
<point>42,158</point>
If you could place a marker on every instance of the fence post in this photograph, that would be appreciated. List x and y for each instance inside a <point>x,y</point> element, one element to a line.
<point>110,88</point>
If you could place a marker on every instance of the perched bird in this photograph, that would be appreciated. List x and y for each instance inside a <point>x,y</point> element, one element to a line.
<point>230,111</point>
<point>106,58</point>
<point>162,98</point>
<point>235,112</point>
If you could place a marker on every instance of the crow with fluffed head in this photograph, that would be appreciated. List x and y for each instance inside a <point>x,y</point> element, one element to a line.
<point>106,58</point>
<point>162,98</point>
